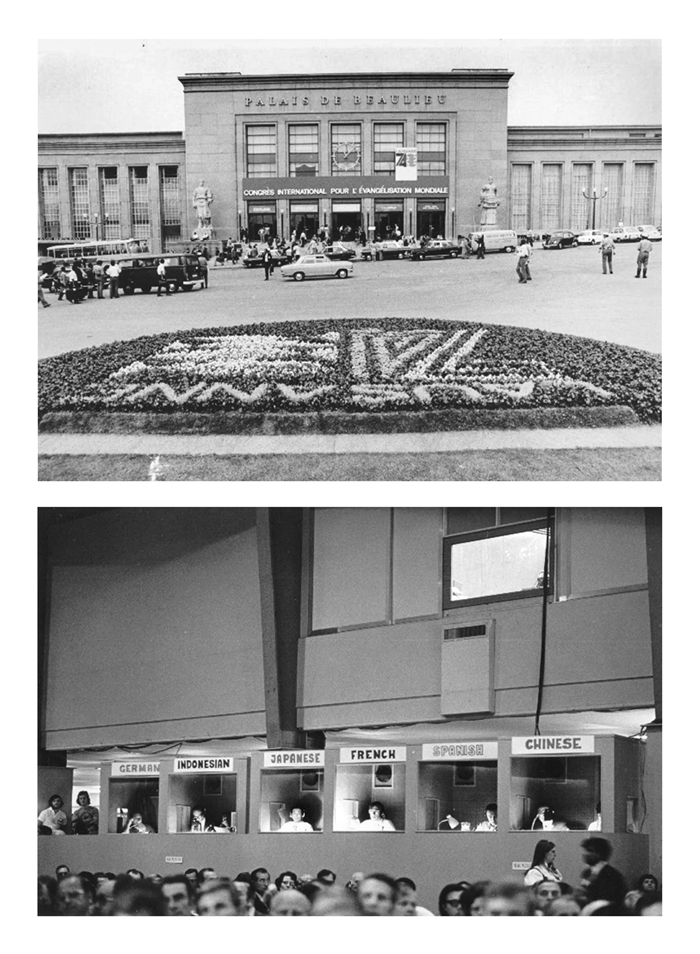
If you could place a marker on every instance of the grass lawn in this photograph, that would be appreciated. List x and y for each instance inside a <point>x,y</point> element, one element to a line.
<point>579,464</point>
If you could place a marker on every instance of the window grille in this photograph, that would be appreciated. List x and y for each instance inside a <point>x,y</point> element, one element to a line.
<point>388,137</point>
<point>79,204</point>
<point>109,203</point>
<point>521,196</point>
<point>140,211</point>
<point>49,204</point>
<point>431,141</point>
<point>303,151</point>
<point>261,151</point>
<point>582,178</point>
<point>551,196</point>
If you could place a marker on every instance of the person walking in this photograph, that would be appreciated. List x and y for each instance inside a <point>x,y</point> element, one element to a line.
<point>267,261</point>
<point>99,272</point>
<point>61,282</point>
<point>204,265</point>
<point>42,299</point>
<point>607,249</point>
<point>522,266</point>
<point>162,278</point>
<point>480,246</point>
<point>113,271</point>
<point>643,250</point>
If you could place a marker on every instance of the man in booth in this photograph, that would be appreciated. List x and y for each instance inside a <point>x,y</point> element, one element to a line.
<point>296,822</point>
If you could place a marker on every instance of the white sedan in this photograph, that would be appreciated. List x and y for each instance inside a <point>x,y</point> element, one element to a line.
<point>590,237</point>
<point>316,266</point>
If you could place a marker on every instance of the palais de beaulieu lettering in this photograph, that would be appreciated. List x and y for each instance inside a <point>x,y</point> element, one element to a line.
<point>372,99</point>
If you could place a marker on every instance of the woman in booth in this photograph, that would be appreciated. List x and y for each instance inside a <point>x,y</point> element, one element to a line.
<point>377,820</point>
<point>86,819</point>
<point>542,867</point>
<point>137,826</point>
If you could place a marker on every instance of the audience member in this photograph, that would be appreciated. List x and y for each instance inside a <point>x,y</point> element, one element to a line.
<point>75,897</point>
<point>508,899</point>
<point>602,881</point>
<point>289,904</point>
<point>177,891</point>
<point>377,895</point>
<point>336,902</point>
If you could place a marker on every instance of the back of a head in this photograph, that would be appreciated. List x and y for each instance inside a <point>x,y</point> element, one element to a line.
<point>508,899</point>
<point>137,899</point>
<point>290,903</point>
<point>336,901</point>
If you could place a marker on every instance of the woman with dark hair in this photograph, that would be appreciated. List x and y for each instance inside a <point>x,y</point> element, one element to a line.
<point>542,867</point>
<point>86,819</point>
<point>286,881</point>
<point>450,901</point>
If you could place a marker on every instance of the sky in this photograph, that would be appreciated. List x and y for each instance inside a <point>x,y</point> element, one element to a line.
<point>132,86</point>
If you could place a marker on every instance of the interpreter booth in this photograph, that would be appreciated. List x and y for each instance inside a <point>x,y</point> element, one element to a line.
<point>438,811</point>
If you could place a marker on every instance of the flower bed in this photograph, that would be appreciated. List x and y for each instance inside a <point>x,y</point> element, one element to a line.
<point>352,365</point>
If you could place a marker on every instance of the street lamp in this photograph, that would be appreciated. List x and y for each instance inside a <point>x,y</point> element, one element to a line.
<point>594,198</point>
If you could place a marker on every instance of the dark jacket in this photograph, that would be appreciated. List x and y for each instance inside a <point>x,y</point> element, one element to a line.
<point>609,885</point>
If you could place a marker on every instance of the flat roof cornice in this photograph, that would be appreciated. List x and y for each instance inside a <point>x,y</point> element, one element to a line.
<point>232,81</point>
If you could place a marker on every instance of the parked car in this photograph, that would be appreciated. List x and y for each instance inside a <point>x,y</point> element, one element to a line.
<point>651,232</point>
<point>252,257</point>
<point>389,249</point>
<point>562,238</point>
<point>590,237</point>
<point>625,234</point>
<point>339,252</point>
<point>315,266</point>
<point>436,248</point>
<point>495,240</point>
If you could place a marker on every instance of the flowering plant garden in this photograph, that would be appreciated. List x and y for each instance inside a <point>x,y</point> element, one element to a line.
<point>353,365</point>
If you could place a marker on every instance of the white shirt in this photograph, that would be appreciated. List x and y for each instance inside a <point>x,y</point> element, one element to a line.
<point>377,824</point>
<point>295,826</point>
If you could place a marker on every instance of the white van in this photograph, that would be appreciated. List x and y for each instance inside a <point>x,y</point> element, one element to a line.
<point>496,240</point>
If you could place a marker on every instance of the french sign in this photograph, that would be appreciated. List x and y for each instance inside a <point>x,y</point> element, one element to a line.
<point>290,758</point>
<point>335,187</point>
<point>553,744</point>
<point>135,768</point>
<point>454,751</point>
<point>375,753</point>
<point>220,764</point>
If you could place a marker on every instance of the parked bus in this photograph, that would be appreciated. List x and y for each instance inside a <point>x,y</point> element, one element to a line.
<point>107,249</point>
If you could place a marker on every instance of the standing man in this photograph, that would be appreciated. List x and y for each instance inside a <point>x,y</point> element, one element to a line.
<point>607,249</point>
<point>522,266</point>
<point>99,277</point>
<point>480,246</point>
<point>113,271</point>
<point>603,882</point>
<point>267,261</point>
<point>643,250</point>
<point>162,278</point>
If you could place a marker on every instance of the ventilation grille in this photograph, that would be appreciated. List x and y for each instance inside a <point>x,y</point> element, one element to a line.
<point>464,632</point>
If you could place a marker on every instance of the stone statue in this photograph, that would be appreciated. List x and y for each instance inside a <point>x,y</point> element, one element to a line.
<point>489,203</point>
<point>202,198</point>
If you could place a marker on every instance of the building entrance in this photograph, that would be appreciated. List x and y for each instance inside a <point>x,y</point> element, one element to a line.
<point>430,219</point>
<point>388,217</point>
<point>346,221</point>
<point>306,222</point>
<point>262,223</point>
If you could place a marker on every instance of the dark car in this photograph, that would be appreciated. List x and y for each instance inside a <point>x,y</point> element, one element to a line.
<point>252,257</point>
<point>182,272</point>
<point>562,238</point>
<point>436,248</point>
<point>339,253</point>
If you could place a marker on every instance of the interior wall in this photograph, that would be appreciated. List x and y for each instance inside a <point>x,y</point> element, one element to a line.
<point>163,612</point>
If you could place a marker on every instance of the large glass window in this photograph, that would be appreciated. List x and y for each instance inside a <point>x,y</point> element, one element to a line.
<point>521,196</point>
<point>554,793</point>
<point>261,151</point>
<point>458,796</point>
<point>496,554</point>
<point>431,140</point>
<point>303,151</point>
<point>370,798</point>
<point>48,204</point>
<point>611,205</point>
<point>170,219</point>
<point>346,149</point>
<point>79,204</point>
<point>582,178</point>
<point>550,207</point>
<point>388,137</point>
<point>643,193</point>
<point>138,195</point>
<point>110,207</point>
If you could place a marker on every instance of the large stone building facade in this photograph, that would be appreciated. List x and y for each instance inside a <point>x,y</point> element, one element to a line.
<point>328,150</point>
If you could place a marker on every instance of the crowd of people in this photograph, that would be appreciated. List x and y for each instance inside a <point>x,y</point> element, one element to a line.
<point>600,891</point>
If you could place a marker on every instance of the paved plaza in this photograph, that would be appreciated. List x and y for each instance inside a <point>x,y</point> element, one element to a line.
<point>568,294</point>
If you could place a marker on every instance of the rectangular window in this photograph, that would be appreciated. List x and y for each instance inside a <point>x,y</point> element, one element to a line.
<point>303,151</point>
<point>551,197</point>
<point>138,196</point>
<point>110,207</point>
<point>388,137</point>
<point>431,140</point>
<point>611,205</point>
<point>582,178</point>
<point>261,151</point>
<point>521,196</point>
<point>500,557</point>
<point>453,796</point>
<point>79,204</point>
<point>169,205</point>
<point>48,204</point>
<point>567,787</point>
<point>202,803</point>
<point>346,149</point>
<point>281,791</point>
<point>642,193</point>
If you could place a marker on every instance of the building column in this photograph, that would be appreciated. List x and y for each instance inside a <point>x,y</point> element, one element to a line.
<point>280,566</point>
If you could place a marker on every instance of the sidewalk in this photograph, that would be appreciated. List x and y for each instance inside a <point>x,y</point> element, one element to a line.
<point>641,436</point>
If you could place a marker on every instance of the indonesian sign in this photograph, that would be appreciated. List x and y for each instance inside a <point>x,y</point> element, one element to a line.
<point>553,745</point>
<point>220,764</point>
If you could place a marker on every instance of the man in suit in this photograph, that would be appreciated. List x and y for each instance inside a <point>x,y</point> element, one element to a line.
<point>604,883</point>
